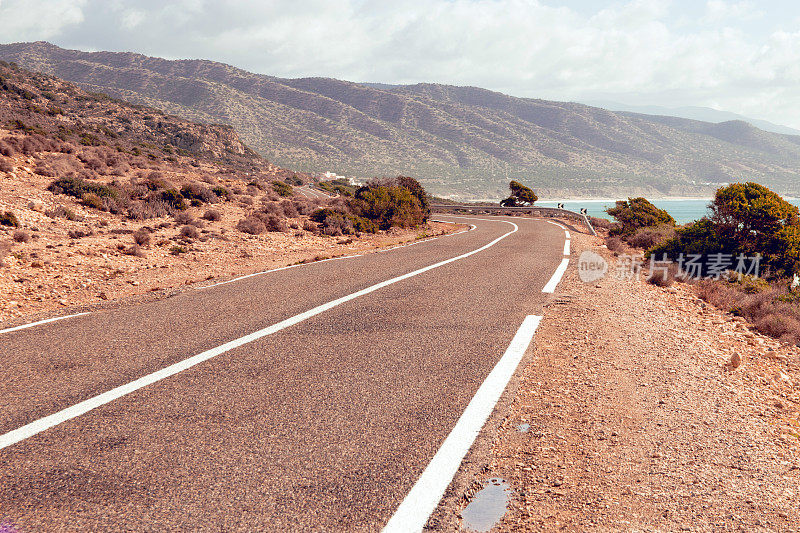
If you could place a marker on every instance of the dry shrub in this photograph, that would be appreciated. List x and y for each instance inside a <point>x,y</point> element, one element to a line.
<point>308,225</point>
<point>142,236</point>
<point>646,238</point>
<point>212,215</point>
<point>303,207</point>
<point>251,225</point>
<point>6,166</point>
<point>196,192</point>
<point>664,277</point>
<point>272,208</point>
<point>21,236</point>
<point>774,311</point>
<point>182,217</point>
<point>6,149</point>
<point>615,244</point>
<point>601,223</point>
<point>80,233</point>
<point>289,209</point>
<point>143,210</point>
<point>90,199</point>
<point>62,212</point>
<point>189,232</point>
<point>44,169</point>
<point>134,250</point>
<point>275,223</point>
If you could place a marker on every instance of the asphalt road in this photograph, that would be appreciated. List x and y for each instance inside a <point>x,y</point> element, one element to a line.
<point>323,425</point>
<point>311,192</point>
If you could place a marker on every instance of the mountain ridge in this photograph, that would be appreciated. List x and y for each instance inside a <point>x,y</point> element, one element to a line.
<point>704,114</point>
<point>464,142</point>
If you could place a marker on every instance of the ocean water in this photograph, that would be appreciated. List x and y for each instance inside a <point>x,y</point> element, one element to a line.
<point>682,210</point>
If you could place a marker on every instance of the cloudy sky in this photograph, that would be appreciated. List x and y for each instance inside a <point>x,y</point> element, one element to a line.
<point>737,55</point>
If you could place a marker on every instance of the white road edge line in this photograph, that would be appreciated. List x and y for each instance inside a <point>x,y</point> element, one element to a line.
<point>551,285</point>
<point>37,426</point>
<point>566,247</point>
<point>47,321</point>
<point>427,492</point>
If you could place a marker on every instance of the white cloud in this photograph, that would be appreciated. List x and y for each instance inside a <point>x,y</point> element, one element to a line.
<point>22,20</point>
<point>722,10</point>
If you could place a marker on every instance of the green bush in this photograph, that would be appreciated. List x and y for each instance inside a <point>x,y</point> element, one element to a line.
<point>282,188</point>
<point>757,220</point>
<point>8,218</point>
<point>221,191</point>
<point>173,198</point>
<point>389,205</point>
<point>747,219</point>
<point>635,213</point>
<point>77,187</point>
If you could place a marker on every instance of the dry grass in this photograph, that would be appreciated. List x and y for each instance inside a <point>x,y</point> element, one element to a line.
<point>21,236</point>
<point>775,310</point>
<point>664,277</point>
<point>212,215</point>
<point>142,237</point>
<point>615,244</point>
<point>646,238</point>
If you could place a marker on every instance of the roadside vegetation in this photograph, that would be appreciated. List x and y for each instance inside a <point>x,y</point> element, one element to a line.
<point>521,196</point>
<point>747,221</point>
<point>339,186</point>
<point>379,205</point>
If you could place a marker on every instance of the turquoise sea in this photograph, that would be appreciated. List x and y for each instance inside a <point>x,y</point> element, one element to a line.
<point>682,210</point>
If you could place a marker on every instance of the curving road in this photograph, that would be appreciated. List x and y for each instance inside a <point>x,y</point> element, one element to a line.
<point>318,395</point>
<point>307,191</point>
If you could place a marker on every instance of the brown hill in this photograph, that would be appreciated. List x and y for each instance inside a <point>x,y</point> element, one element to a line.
<point>458,140</point>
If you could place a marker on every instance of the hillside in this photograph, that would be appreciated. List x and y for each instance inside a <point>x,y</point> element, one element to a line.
<point>459,141</point>
<point>101,200</point>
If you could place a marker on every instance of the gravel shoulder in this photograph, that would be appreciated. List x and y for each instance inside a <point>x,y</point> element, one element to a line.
<point>637,420</point>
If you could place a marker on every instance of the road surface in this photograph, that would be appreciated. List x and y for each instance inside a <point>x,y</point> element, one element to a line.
<point>311,193</point>
<point>323,422</point>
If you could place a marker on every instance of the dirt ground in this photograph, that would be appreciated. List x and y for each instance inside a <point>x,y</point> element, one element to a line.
<point>639,422</point>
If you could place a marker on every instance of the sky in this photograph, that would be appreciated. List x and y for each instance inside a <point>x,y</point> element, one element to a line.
<point>735,55</point>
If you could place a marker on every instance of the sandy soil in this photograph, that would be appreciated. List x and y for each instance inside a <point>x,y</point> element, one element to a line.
<point>638,422</point>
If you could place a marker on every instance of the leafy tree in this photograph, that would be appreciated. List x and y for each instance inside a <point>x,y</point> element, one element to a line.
<point>635,213</point>
<point>748,219</point>
<point>520,195</point>
<point>753,217</point>
<point>418,191</point>
<point>389,206</point>
<point>697,238</point>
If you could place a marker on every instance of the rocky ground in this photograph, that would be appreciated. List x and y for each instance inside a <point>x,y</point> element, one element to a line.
<point>637,418</point>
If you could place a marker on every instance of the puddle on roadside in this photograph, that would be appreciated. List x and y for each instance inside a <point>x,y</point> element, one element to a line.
<point>523,428</point>
<point>487,506</point>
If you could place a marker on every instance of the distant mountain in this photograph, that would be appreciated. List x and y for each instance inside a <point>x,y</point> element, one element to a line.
<point>705,114</point>
<point>459,141</point>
